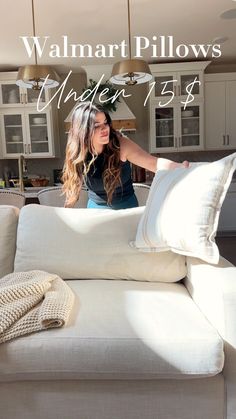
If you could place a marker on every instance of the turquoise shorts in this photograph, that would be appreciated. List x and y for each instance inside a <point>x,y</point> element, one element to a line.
<point>131,202</point>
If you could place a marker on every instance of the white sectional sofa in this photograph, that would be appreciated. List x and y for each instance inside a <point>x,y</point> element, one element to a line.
<point>150,336</point>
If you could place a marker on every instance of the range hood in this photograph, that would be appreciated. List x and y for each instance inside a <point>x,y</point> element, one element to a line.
<point>123,118</point>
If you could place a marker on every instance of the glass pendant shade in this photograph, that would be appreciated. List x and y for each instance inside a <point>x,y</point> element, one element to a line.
<point>35,76</point>
<point>130,72</point>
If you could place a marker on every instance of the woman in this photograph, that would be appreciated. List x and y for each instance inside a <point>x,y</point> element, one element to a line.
<point>100,156</point>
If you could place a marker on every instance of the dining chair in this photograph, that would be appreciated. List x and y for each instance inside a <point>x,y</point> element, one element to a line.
<point>141,191</point>
<point>17,199</point>
<point>53,197</point>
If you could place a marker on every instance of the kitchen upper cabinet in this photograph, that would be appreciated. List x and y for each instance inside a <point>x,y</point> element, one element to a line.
<point>176,128</point>
<point>26,133</point>
<point>230,113</point>
<point>177,107</point>
<point>23,129</point>
<point>12,95</point>
<point>175,85</point>
<point>220,108</point>
<point>173,80</point>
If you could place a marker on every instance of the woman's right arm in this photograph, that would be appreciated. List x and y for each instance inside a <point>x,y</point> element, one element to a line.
<point>132,152</point>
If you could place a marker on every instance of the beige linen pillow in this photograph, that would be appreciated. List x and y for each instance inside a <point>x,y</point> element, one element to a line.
<point>183,209</point>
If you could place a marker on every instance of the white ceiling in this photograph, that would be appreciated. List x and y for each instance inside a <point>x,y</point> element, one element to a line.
<point>105,22</point>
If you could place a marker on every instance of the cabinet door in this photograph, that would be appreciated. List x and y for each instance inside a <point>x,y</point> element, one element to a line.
<point>178,86</point>
<point>39,137</point>
<point>163,128</point>
<point>190,82</point>
<point>31,97</point>
<point>13,134</point>
<point>191,127</point>
<point>165,87</point>
<point>10,94</point>
<point>215,105</point>
<point>231,114</point>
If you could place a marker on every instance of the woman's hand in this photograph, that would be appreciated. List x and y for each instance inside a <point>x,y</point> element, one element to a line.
<point>165,164</point>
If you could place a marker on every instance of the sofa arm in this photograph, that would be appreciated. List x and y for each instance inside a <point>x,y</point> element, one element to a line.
<point>213,289</point>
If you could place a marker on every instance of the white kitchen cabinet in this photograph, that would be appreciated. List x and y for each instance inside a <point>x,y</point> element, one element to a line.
<point>24,130</point>
<point>27,133</point>
<point>12,95</point>
<point>176,85</point>
<point>176,128</point>
<point>220,107</point>
<point>177,112</point>
<point>178,77</point>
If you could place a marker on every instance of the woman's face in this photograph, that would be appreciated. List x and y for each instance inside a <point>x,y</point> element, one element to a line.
<point>101,132</point>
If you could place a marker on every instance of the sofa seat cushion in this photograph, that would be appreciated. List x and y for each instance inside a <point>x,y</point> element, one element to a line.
<point>79,243</point>
<point>120,330</point>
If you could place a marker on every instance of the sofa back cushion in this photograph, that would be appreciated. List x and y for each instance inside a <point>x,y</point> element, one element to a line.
<point>8,227</point>
<point>89,244</point>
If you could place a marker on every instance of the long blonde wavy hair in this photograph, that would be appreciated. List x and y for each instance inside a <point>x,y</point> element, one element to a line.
<point>79,149</point>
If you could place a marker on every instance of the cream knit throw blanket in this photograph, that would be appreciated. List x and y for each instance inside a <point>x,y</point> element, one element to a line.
<point>32,301</point>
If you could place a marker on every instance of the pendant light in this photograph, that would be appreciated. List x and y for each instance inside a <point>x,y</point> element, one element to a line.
<point>36,76</point>
<point>131,71</point>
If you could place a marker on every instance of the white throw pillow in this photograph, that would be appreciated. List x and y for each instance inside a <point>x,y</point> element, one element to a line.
<point>183,209</point>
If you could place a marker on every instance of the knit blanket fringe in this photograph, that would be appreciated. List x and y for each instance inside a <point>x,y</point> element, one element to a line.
<point>32,301</point>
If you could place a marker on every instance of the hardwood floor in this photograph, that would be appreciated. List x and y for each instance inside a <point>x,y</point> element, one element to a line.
<point>227,248</point>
